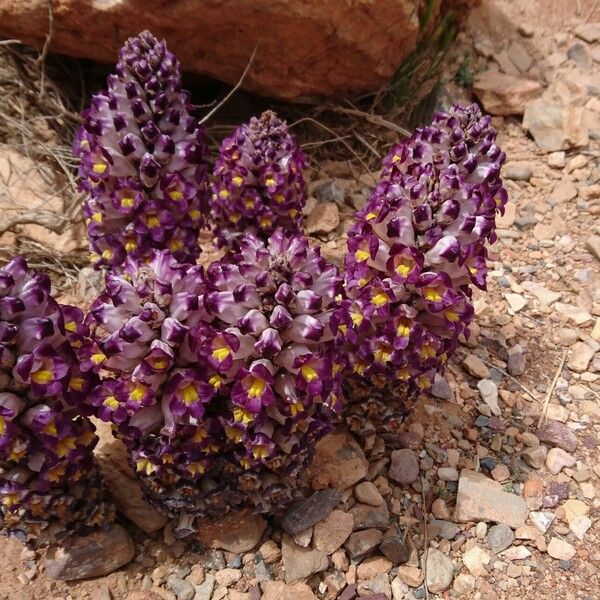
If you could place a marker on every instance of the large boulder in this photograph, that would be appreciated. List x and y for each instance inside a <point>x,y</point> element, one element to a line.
<point>306,48</point>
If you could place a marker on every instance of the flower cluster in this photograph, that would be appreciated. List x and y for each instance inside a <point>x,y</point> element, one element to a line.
<point>142,160</point>
<point>418,245</point>
<point>221,380</point>
<point>257,181</point>
<point>48,481</point>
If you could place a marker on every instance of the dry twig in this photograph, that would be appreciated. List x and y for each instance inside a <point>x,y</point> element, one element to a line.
<point>551,389</point>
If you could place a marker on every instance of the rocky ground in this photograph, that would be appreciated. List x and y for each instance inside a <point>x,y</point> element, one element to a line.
<point>493,489</point>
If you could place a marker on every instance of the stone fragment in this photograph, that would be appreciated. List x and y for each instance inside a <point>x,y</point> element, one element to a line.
<point>519,56</point>
<point>579,316</point>
<point>558,434</point>
<point>464,585</point>
<point>411,576</point>
<point>236,532</point>
<point>339,462</point>
<point>515,553</point>
<point>544,119</point>
<point>377,588</point>
<point>580,357</point>
<point>475,560</point>
<point>393,546</point>
<point>575,508</point>
<point>535,457</point>
<point>503,94</point>
<point>482,499</point>
<point>476,367</point>
<point>309,511</point>
<point>301,562</point>
<point>517,171</point>
<point>404,467</point>
<point>516,302</point>
<point>303,538</point>
<point>278,590</point>
<point>363,542</point>
<point>367,493</point>
<point>366,516</point>
<point>442,529</point>
<point>592,245</point>
<point>324,218</point>
<point>560,549</point>
<point>124,486</point>
<point>330,191</point>
<point>545,296</point>
<point>588,32</point>
<point>489,394</point>
<point>516,361</point>
<point>580,526</point>
<point>440,571</point>
<point>204,591</point>
<point>542,520</point>
<point>93,555</point>
<point>500,537</point>
<point>557,459</point>
<point>373,566</point>
<point>333,531</point>
<point>183,589</point>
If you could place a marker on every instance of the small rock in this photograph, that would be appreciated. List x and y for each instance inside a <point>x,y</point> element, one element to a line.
<point>93,555</point>
<point>393,546</point>
<point>481,530</point>
<point>535,457</point>
<point>440,571</point>
<point>324,218</point>
<point>442,529</point>
<point>574,508</point>
<point>377,587</point>
<point>500,537</point>
<point>544,120</point>
<point>339,462</point>
<point>303,538</point>
<point>277,590</point>
<point>306,513</point>
<point>301,562</point>
<point>183,589</point>
<point>476,367</point>
<point>227,577</point>
<point>364,542</point>
<point>367,493</point>
<point>500,472</point>
<point>474,559</point>
<point>441,388</point>
<point>516,361</point>
<point>545,296</point>
<point>464,585</point>
<point>482,499</point>
<point>558,434</point>
<point>503,94</point>
<point>333,531</point>
<point>411,576</point>
<point>489,394</point>
<point>556,160</point>
<point>557,459</point>
<point>592,245</point>
<point>439,509</point>
<point>579,316</point>
<point>270,552</point>
<point>588,32</point>
<point>404,467</point>
<point>515,301</point>
<point>560,549</point>
<point>373,566</point>
<point>329,192</point>
<point>580,525</point>
<point>236,532</point>
<point>515,553</point>
<point>517,172</point>
<point>580,357</point>
<point>519,56</point>
<point>366,516</point>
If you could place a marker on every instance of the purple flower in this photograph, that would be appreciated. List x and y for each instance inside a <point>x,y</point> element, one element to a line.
<point>49,484</point>
<point>257,181</point>
<point>142,160</point>
<point>417,247</point>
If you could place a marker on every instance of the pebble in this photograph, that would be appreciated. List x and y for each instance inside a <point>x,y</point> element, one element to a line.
<point>516,302</point>
<point>482,499</point>
<point>411,576</point>
<point>367,493</point>
<point>366,516</point>
<point>517,172</point>
<point>339,462</point>
<point>475,560</point>
<point>535,456</point>
<point>306,513</point>
<point>394,548</point>
<point>475,366</point>
<point>363,542</point>
<point>404,467</point>
<point>373,566</point>
<point>542,520</point>
<point>580,525</point>
<point>489,394</point>
<point>560,549</point>
<point>557,459</point>
<point>558,434</point>
<point>277,590</point>
<point>448,474</point>
<point>331,533</point>
<point>378,587</point>
<point>301,562</point>
<point>204,591</point>
<point>516,361</point>
<point>592,245</point>
<point>236,532</point>
<point>183,589</point>
<point>500,537</point>
<point>440,571</point>
<point>330,191</point>
<point>324,218</point>
<point>580,357</point>
<point>442,529</point>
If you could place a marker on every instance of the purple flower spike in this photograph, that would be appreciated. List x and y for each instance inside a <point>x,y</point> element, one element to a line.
<point>49,484</point>
<point>222,381</point>
<point>418,246</point>
<point>142,160</point>
<point>257,181</point>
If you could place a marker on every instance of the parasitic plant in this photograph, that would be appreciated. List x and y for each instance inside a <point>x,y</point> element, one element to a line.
<point>142,160</point>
